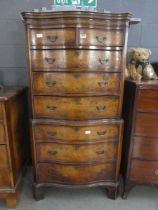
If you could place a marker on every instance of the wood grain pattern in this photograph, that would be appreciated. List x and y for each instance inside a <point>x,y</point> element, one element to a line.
<point>76,91</point>
<point>77,153</point>
<point>146,124</point>
<point>75,174</point>
<point>87,132</point>
<point>76,107</point>
<point>140,147</point>
<point>5,174</point>
<point>1,112</point>
<point>148,101</point>
<point>145,148</point>
<point>74,83</point>
<point>13,145</point>
<point>144,171</point>
<point>2,134</point>
<point>101,37</point>
<point>50,37</point>
<point>77,60</point>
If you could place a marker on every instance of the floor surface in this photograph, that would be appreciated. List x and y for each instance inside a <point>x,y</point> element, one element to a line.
<point>140,198</point>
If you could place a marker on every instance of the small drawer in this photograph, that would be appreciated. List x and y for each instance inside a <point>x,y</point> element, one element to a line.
<point>1,111</point>
<point>2,134</point>
<point>72,132</point>
<point>76,60</point>
<point>76,153</point>
<point>51,37</point>
<point>145,148</point>
<point>75,174</point>
<point>146,125</point>
<point>147,101</point>
<point>144,171</point>
<point>76,107</point>
<point>74,83</point>
<point>5,176</point>
<point>101,38</point>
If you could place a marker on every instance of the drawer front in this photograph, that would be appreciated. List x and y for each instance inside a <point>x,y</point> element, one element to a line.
<point>76,153</point>
<point>1,111</point>
<point>75,174</point>
<point>74,83</point>
<point>49,37</point>
<point>2,134</point>
<point>101,38</point>
<point>145,148</point>
<point>78,60</point>
<point>86,133</point>
<point>144,171</point>
<point>147,101</point>
<point>146,124</point>
<point>5,178</point>
<point>76,107</point>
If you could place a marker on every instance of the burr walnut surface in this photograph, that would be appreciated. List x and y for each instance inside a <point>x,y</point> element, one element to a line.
<point>76,73</point>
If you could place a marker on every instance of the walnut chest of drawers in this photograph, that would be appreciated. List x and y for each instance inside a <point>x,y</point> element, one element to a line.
<point>12,142</point>
<point>140,146</point>
<point>76,62</point>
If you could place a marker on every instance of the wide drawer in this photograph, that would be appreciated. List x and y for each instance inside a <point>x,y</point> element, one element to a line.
<point>144,171</point>
<point>76,107</point>
<point>76,60</point>
<point>101,38</point>
<point>2,134</point>
<point>147,101</point>
<point>76,83</point>
<point>76,153</point>
<point>77,131</point>
<point>5,178</point>
<point>49,37</point>
<point>75,174</point>
<point>1,112</point>
<point>145,148</point>
<point>146,124</point>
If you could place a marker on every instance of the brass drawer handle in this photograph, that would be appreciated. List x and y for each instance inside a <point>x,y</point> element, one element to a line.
<point>156,172</point>
<point>99,173</point>
<point>50,83</point>
<point>52,173</point>
<point>51,133</point>
<point>100,108</point>
<point>76,75</point>
<point>52,38</point>
<point>77,167</point>
<point>102,84</point>
<point>77,52</point>
<point>101,39</point>
<point>101,133</point>
<point>50,60</point>
<point>100,152</point>
<point>103,61</point>
<point>52,152</point>
<point>51,107</point>
<point>77,146</point>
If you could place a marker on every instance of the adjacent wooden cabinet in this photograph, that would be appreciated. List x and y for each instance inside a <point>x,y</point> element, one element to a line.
<point>13,145</point>
<point>140,146</point>
<point>76,67</point>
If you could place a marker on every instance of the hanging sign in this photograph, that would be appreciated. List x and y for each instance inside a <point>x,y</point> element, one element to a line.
<point>82,3</point>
